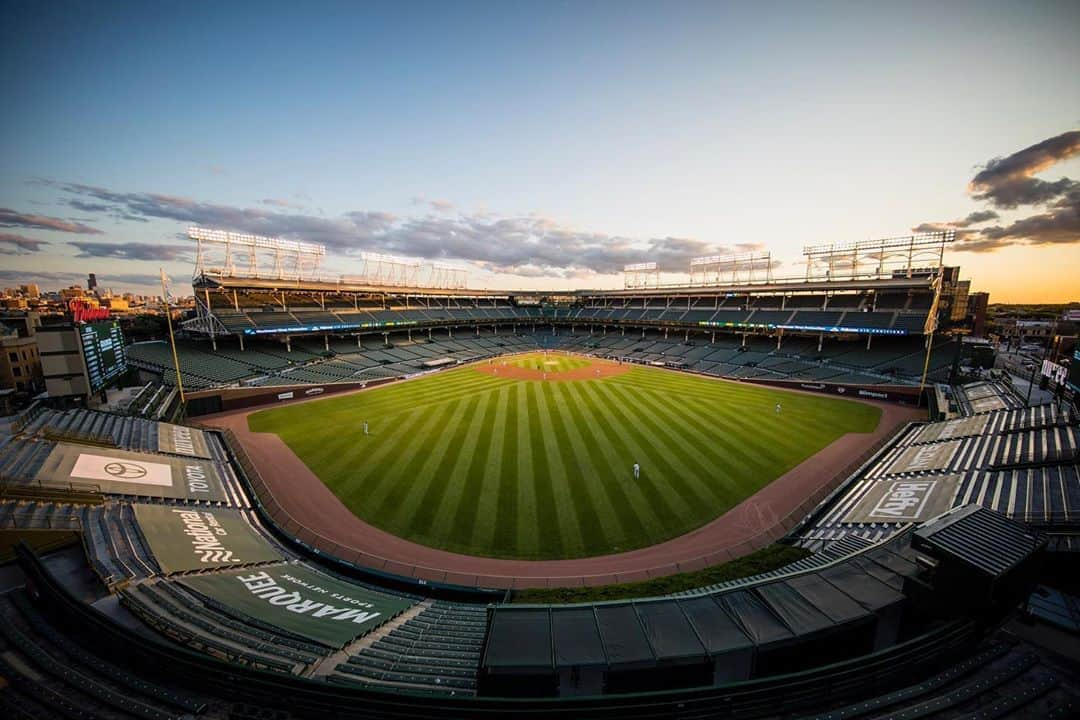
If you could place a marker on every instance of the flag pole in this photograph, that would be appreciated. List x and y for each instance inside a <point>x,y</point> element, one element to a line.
<point>172,339</point>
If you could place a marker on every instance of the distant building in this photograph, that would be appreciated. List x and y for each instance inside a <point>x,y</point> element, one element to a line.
<point>20,361</point>
<point>91,282</point>
<point>976,312</point>
<point>31,290</point>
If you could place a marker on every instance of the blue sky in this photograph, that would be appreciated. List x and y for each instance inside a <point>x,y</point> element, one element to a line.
<point>538,144</point>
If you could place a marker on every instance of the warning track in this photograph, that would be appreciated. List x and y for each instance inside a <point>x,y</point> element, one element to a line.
<point>300,502</point>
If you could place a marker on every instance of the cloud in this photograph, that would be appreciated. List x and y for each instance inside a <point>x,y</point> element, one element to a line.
<point>528,244</point>
<point>275,202</point>
<point>442,205</point>
<point>132,251</point>
<point>979,216</point>
<point>11,244</point>
<point>12,218</point>
<point>1008,182</point>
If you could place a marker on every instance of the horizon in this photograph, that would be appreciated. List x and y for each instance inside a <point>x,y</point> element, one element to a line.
<point>539,147</point>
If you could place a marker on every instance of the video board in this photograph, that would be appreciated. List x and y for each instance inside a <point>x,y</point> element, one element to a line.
<point>103,349</point>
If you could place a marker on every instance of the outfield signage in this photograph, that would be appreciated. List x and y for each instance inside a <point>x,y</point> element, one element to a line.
<point>924,458</point>
<point>807,328</point>
<point>1057,373</point>
<point>961,427</point>
<point>327,328</point>
<point>914,500</point>
<point>182,440</point>
<point>123,472</point>
<point>301,601</point>
<point>184,538</point>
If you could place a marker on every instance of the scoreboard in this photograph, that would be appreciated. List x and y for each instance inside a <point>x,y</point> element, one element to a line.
<point>103,351</point>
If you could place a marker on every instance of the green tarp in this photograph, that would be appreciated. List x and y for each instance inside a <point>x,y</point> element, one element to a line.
<point>190,538</point>
<point>301,601</point>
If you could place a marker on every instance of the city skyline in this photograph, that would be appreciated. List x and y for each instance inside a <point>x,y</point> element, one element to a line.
<point>539,148</point>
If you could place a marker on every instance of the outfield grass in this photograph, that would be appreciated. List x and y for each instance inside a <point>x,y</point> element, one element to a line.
<point>553,362</point>
<point>486,465</point>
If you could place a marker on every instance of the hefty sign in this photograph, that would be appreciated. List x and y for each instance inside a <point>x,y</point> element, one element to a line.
<point>912,500</point>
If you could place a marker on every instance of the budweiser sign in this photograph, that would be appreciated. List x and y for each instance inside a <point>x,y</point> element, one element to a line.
<point>83,311</point>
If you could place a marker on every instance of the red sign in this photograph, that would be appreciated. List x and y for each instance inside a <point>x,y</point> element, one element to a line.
<point>83,311</point>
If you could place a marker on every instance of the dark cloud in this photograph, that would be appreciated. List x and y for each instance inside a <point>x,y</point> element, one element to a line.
<point>979,216</point>
<point>132,251</point>
<point>11,218</point>
<point>91,207</point>
<point>11,244</point>
<point>1008,182</point>
<point>529,244</point>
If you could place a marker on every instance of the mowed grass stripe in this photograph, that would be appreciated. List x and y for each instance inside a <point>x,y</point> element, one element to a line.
<point>483,532</point>
<point>531,469</point>
<point>663,453</point>
<point>658,509</point>
<point>714,459</point>
<point>504,541</point>
<point>424,502</point>
<point>389,487</point>
<point>560,530</point>
<point>608,500</point>
<point>590,530</point>
<point>462,508</point>
<point>627,435</point>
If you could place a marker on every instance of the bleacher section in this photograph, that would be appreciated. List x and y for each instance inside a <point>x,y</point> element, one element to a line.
<point>897,361</point>
<point>436,650</point>
<point>1023,463</point>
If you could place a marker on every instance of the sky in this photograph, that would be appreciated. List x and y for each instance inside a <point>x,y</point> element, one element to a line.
<point>539,145</point>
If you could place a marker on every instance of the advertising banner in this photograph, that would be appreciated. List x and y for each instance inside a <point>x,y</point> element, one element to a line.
<point>182,440</point>
<point>186,538</point>
<point>913,500</point>
<point>301,601</point>
<point>123,472</point>
<point>924,458</point>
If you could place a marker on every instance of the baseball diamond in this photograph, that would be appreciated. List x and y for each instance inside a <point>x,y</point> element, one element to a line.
<point>514,459</point>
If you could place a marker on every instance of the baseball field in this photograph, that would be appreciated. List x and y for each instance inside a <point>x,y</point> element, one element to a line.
<point>532,456</point>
